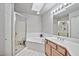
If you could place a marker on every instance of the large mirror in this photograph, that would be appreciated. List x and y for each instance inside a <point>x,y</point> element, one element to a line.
<point>61,25</point>
<point>66,23</point>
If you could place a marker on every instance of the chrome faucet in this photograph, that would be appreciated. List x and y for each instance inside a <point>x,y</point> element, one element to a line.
<point>59,38</point>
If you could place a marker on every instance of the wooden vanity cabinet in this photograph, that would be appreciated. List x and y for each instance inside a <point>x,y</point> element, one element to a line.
<point>62,50</point>
<point>56,53</point>
<point>68,54</point>
<point>53,49</point>
<point>53,45</point>
<point>48,50</point>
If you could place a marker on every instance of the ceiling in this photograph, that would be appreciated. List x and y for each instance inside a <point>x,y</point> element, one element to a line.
<point>27,8</point>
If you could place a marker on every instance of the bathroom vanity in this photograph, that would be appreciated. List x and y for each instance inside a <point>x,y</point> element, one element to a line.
<point>54,49</point>
<point>63,47</point>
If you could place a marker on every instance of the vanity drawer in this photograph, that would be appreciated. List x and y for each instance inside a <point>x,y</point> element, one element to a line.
<point>53,45</point>
<point>61,49</point>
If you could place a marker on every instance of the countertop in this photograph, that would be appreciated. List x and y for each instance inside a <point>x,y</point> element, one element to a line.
<point>72,47</point>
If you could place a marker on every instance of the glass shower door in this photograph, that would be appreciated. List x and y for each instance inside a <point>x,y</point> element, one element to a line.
<point>19,33</point>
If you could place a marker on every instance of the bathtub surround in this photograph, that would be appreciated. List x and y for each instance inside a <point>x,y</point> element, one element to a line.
<point>35,37</point>
<point>33,27</point>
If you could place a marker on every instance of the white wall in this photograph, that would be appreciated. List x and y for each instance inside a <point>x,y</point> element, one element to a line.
<point>8,28</point>
<point>47,23</point>
<point>55,26</point>
<point>74,19</point>
<point>33,23</point>
<point>5,29</point>
<point>2,19</point>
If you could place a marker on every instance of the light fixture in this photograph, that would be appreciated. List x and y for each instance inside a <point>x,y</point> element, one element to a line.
<point>52,12</point>
<point>38,12</point>
<point>60,9</point>
<point>64,9</point>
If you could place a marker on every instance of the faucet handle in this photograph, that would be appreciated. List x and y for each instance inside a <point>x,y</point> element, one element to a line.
<point>58,38</point>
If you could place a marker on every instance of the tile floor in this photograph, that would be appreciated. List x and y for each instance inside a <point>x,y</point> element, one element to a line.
<point>32,49</point>
<point>30,52</point>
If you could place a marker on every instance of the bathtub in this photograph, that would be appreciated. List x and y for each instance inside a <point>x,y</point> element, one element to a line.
<point>35,37</point>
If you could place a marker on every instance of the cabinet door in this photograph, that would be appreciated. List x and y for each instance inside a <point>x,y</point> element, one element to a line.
<point>56,53</point>
<point>68,54</point>
<point>48,49</point>
<point>61,49</point>
<point>53,45</point>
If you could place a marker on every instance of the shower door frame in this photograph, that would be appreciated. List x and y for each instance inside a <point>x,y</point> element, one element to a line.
<point>14,21</point>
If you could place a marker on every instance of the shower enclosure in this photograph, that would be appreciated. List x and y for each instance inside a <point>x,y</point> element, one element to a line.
<point>20,32</point>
